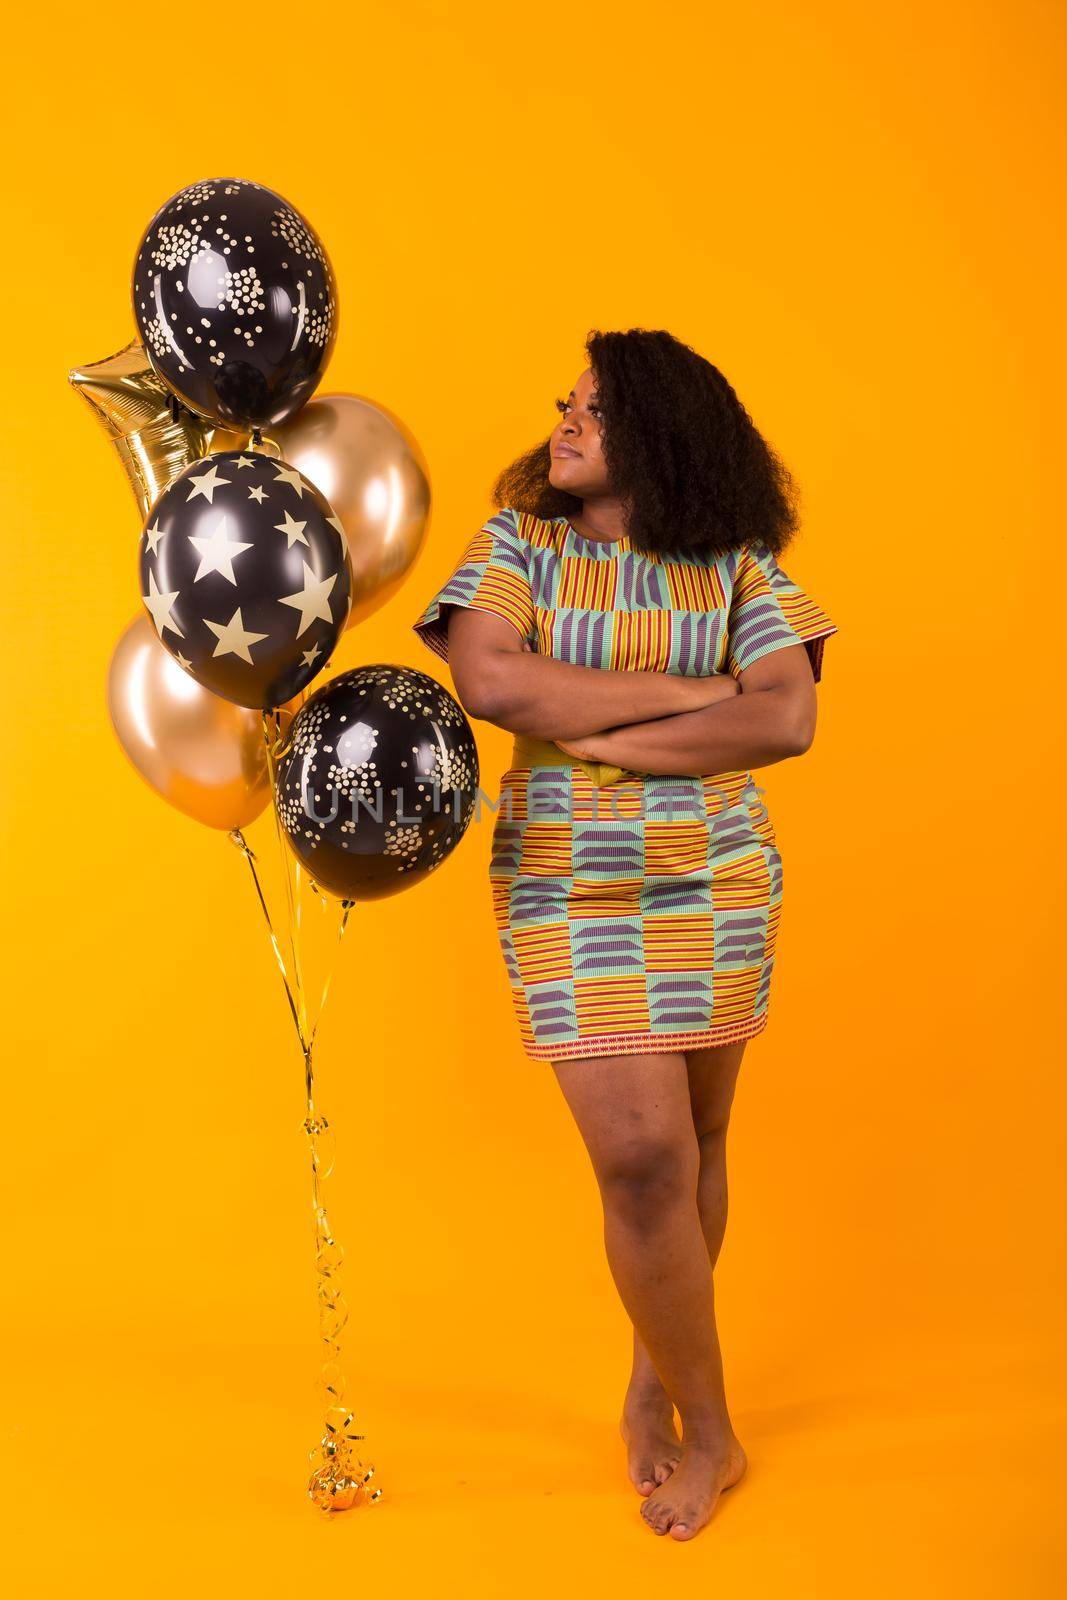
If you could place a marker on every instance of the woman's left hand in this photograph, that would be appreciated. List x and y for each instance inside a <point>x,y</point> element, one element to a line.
<point>584,750</point>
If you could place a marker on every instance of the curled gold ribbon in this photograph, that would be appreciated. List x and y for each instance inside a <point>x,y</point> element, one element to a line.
<point>339,1478</point>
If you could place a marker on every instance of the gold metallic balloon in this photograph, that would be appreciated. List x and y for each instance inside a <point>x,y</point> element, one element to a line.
<point>154,435</point>
<point>204,754</point>
<point>372,471</point>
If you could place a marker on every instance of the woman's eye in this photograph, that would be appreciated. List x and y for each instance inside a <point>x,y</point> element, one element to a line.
<point>563,408</point>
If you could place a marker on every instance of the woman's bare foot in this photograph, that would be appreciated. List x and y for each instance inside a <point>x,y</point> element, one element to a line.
<point>653,1448</point>
<point>683,1504</point>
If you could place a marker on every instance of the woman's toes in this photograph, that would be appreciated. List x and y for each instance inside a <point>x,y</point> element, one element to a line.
<point>652,1448</point>
<point>655,1514</point>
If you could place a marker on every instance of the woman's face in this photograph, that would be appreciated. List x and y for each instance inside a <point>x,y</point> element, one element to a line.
<point>577,463</point>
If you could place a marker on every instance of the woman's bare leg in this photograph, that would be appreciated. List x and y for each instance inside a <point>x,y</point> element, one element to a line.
<point>653,1441</point>
<point>636,1118</point>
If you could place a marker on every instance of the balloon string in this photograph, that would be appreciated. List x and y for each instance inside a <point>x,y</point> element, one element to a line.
<point>250,856</point>
<point>339,1478</point>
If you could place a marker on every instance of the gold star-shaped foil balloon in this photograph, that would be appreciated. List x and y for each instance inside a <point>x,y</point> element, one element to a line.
<point>155,436</point>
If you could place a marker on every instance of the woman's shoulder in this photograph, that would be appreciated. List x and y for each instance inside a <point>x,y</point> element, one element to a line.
<point>543,532</point>
<point>748,555</point>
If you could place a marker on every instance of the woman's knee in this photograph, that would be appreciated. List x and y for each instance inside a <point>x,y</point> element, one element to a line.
<point>643,1179</point>
<point>711,1132</point>
<point>713,1077</point>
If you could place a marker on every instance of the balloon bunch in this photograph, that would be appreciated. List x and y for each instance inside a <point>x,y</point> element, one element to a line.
<point>271,523</point>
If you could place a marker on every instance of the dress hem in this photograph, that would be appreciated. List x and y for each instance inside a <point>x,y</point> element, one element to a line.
<point>646,1044</point>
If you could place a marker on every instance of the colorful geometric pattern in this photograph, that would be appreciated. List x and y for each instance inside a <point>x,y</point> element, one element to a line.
<point>641,916</point>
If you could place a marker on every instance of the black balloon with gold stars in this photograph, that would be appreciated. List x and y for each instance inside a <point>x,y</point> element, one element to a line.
<point>245,574</point>
<point>379,780</point>
<point>235,302</point>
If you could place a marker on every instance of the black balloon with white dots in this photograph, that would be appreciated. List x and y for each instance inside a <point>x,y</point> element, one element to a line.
<point>378,780</point>
<point>245,573</point>
<point>235,302</point>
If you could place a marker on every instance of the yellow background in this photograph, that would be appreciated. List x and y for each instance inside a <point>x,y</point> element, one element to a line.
<point>855,213</point>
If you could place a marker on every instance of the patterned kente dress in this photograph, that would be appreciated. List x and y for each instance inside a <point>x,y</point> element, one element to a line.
<point>636,913</point>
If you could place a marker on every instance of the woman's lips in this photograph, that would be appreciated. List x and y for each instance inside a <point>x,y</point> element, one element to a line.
<point>562,450</point>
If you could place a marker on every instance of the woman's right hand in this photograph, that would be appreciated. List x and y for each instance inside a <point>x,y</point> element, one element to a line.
<point>708,690</point>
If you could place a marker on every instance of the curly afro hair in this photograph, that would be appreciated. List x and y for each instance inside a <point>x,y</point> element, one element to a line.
<point>682,453</point>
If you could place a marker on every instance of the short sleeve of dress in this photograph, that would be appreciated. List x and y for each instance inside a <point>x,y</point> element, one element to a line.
<point>493,575</point>
<point>768,611</point>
